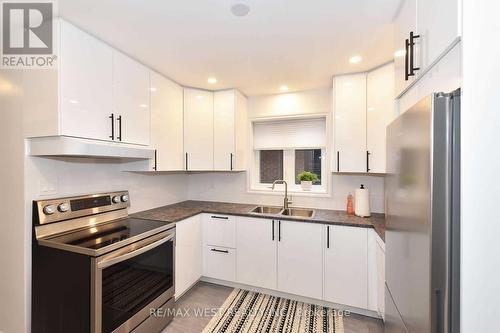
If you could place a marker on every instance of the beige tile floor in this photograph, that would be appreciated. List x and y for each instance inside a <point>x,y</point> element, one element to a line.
<point>209,296</point>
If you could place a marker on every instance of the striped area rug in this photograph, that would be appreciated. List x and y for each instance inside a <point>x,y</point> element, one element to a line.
<point>248,312</point>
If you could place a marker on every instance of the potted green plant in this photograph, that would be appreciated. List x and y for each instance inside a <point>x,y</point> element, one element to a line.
<point>306,179</point>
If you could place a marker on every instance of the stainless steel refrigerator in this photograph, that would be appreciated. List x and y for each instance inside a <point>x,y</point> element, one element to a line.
<point>423,217</point>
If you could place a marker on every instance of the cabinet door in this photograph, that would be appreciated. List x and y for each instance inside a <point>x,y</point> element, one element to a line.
<point>350,123</point>
<point>198,129</point>
<point>438,27</point>
<point>85,85</point>
<point>131,100</point>
<point>256,256</point>
<point>224,112</point>
<point>167,133</point>
<point>379,113</point>
<point>346,266</point>
<point>380,280</point>
<point>300,258</point>
<point>188,254</point>
<point>405,22</point>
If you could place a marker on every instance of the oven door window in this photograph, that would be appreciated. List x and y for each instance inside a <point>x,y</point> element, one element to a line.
<point>129,286</point>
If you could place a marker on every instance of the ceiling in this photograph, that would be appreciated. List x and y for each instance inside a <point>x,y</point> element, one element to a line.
<point>298,43</point>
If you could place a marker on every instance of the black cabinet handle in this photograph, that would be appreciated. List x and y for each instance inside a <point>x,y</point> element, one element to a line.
<point>231,162</point>
<point>272,230</point>
<point>338,161</point>
<point>221,251</point>
<point>367,161</point>
<point>112,117</point>
<point>412,67</point>
<point>219,217</point>
<point>279,231</point>
<point>187,161</point>
<point>407,55</point>
<point>327,236</point>
<point>119,128</point>
<point>156,163</point>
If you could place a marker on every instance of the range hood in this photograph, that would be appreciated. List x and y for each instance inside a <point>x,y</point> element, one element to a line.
<point>64,146</point>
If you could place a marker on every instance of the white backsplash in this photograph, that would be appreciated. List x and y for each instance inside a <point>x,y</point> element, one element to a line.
<point>233,188</point>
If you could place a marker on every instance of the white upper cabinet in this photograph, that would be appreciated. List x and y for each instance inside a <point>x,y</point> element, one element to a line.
<point>256,255</point>
<point>380,112</point>
<point>224,131</point>
<point>167,133</point>
<point>350,123</point>
<point>346,266</point>
<point>198,129</point>
<point>85,75</point>
<point>131,100</point>
<point>300,258</point>
<point>438,25</point>
<point>434,25</point>
<point>405,22</point>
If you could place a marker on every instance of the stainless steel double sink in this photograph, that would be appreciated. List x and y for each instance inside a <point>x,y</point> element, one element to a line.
<point>272,210</point>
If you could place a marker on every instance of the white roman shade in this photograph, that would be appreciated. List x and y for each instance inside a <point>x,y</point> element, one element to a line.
<point>289,134</point>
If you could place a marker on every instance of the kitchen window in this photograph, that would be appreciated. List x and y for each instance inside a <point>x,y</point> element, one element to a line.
<point>285,148</point>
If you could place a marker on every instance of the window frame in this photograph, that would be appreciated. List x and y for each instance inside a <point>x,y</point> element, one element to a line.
<point>289,174</point>
<point>253,162</point>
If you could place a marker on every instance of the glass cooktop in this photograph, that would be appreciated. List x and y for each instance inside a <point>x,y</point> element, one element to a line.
<point>103,235</point>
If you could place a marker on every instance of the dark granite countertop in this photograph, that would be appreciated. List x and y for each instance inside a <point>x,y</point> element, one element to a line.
<point>182,210</point>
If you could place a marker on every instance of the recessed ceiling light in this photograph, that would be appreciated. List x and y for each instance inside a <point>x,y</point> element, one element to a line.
<point>284,88</point>
<point>199,96</point>
<point>153,89</point>
<point>240,9</point>
<point>355,59</point>
<point>143,105</point>
<point>212,80</point>
<point>399,53</point>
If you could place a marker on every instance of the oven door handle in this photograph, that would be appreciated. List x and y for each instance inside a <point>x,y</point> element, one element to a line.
<point>111,261</point>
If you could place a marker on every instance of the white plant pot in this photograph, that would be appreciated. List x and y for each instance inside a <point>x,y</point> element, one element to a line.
<point>306,185</point>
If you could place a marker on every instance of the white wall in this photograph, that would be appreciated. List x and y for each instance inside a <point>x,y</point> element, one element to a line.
<point>233,187</point>
<point>13,247</point>
<point>480,268</point>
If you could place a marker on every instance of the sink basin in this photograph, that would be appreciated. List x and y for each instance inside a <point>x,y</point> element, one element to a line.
<point>298,212</point>
<point>266,210</point>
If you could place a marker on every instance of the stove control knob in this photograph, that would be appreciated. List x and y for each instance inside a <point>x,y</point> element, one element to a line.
<point>63,207</point>
<point>116,199</point>
<point>125,198</point>
<point>49,209</point>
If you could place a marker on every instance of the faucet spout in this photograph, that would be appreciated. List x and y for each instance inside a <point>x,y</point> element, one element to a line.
<point>286,201</point>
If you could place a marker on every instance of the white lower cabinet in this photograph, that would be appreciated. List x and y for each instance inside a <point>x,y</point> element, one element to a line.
<point>219,230</point>
<point>380,255</point>
<point>220,263</point>
<point>300,258</point>
<point>333,263</point>
<point>219,247</point>
<point>188,254</point>
<point>346,266</point>
<point>256,257</point>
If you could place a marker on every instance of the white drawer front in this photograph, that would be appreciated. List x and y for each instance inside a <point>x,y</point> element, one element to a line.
<point>220,263</point>
<point>220,230</point>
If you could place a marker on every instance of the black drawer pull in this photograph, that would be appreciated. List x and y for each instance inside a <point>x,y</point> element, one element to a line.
<point>327,236</point>
<point>219,217</point>
<point>221,251</point>
<point>119,128</point>
<point>112,117</point>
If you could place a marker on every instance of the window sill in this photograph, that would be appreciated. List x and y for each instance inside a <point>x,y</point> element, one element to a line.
<point>294,191</point>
